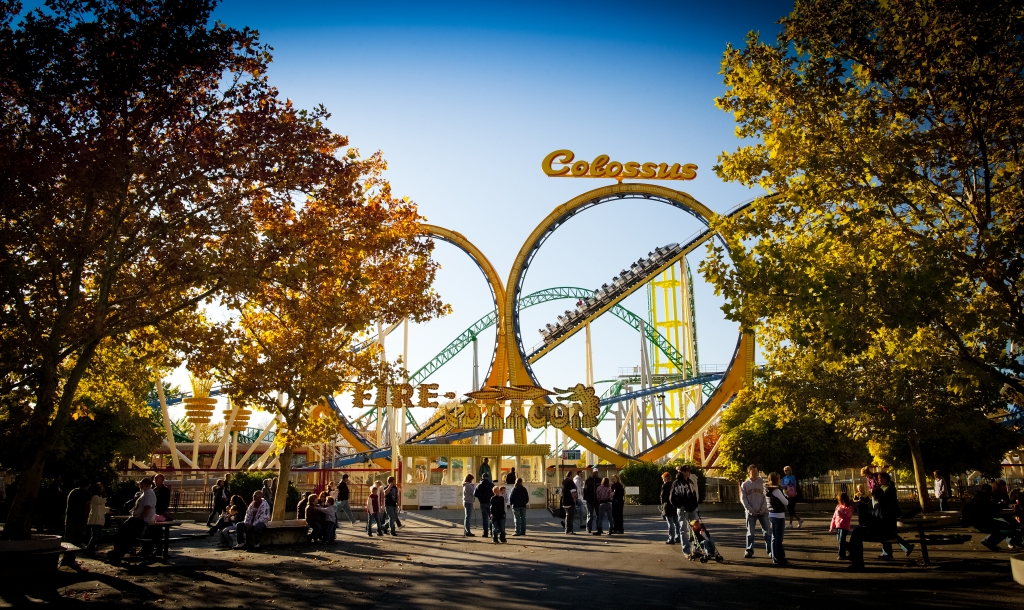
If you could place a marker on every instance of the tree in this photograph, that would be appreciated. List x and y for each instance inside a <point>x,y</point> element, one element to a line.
<point>141,150</point>
<point>888,134</point>
<point>356,255</point>
<point>761,427</point>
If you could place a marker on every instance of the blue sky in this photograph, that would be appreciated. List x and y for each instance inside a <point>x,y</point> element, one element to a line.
<point>465,100</point>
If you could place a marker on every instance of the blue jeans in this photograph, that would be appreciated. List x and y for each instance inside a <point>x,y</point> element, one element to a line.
<point>684,526</point>
<point>498,528</point>
<point>1001,530</point>
<point>673,525</point>
<point>520,514</point>
<point>391,512</point>
<point>778,527</point>
<point>753,520</point>
<point>841,538</point>
<point>484,511</point>
<point>591,515</point>
<point>469,514</point>
<point>605,510</point>
<point>943,504</point>
<point>372,518</point>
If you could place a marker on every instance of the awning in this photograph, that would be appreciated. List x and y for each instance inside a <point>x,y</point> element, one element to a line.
<point>450,450</point>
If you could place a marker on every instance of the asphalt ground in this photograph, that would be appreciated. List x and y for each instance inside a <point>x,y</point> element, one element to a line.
<point>431,565</point>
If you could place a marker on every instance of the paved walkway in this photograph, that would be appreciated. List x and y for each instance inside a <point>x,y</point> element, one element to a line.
<point>431,565</point>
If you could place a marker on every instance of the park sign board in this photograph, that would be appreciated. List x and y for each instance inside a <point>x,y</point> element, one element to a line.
<point>559,164</point>
<point>576,407</point>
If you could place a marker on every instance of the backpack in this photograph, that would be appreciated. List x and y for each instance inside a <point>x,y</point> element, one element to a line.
<point>683,495</point>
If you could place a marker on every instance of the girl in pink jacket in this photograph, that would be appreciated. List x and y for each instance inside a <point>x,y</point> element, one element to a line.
<point>841,522</point>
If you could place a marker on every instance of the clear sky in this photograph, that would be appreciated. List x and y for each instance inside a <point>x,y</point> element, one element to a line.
<point>465,99</point>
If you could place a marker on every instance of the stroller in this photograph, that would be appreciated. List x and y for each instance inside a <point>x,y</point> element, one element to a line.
<point>703,546</point>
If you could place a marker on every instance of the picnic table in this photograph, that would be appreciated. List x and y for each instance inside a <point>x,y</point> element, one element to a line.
<point>162,531</point>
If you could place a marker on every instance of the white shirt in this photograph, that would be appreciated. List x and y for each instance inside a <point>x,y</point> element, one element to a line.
<point>148,498</point>
<point>98,510</point>
<point>579,484</point>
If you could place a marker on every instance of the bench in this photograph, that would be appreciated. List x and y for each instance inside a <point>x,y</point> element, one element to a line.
<point>289,531</point>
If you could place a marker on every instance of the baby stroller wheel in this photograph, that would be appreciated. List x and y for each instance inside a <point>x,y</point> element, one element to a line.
<point>703,559</point>
<point>719,558</point>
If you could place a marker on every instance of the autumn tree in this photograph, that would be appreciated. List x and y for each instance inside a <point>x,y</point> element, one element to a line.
<point>889,136</point>
<point>141,150</point>
<point>356,256</point>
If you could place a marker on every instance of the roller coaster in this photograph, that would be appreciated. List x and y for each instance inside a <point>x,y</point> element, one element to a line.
<point>645,430</point>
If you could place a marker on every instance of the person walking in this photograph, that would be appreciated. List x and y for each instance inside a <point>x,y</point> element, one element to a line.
<point>685,498</point>
<point>753,499</point>
<point>220,501</point>
<point>497,513</point>
<point>581,511</point>
<point>841,520</point>
<point>344,505</point>
<point>590,497</point>
<point>791,488</point>
<point>484,493</point>
<point>604,507</point>
<point>373,511</point>
<point>468,491</point>
<point>942,491</point>
<point>570,500</point>
<point>76,514</point>
<point>890,513</point>
<point>520,500</point>
<point>97,517</point>
<point>777,502</point>
<point>391,496</point>
<point>618,504</point>
<point>668,510</point>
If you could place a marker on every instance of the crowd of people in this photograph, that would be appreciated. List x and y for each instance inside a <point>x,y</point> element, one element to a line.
<point>593,502</point>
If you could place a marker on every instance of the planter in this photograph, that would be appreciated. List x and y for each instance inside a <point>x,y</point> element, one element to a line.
<point>38,542</point>
<point>1017,566</point>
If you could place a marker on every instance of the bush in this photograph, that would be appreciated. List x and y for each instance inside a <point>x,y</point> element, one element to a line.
<point>647,476</point>
<point>246,483</point>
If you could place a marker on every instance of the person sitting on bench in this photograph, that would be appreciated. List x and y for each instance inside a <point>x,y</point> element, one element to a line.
<point>256,518</point>
<point>143,513</point>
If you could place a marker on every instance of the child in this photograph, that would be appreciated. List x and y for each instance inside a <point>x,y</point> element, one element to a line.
<point>703,538</point>
<point>373,511</point>
<point>777,502</point>
<point>841,522</point>
<point>330,524</point>
<point>497,514</point>
<point>862,503</point>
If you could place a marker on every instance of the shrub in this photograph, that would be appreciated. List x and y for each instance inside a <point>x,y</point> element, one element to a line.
<point>647,476</point>
<point>246,483</point>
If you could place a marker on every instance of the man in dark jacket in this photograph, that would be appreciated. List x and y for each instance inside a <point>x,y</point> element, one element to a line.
<point>520,499</point>
<point>484,493</point>
<point>590,497</point>
<point>344,506</point>
<point>889,511</point>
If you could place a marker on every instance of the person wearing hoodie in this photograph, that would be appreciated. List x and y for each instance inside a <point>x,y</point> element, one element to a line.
<point>468,491</point>
<point>484,493</point>
<point>520,499</point>
<point>777,503</point>
<point>497,511</point>
<point>755,504</point>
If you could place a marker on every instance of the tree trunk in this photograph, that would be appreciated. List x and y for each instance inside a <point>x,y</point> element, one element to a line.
<point>45,433</point>
<point>919,471</point>
<point>284,465</point>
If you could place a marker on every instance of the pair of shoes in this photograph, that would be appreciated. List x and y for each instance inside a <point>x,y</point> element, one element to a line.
<point>470,534</point>
<point>238,546</point>
<point>990,546</point>
<point>401,525</point>
<point>370,535</point>
<point>799,523</point>
<point>597,533</point>
<point>885,556</point>
<point>495,541</point>
<point>256,546</point>
<point>517,534</point>
<point>782,563</point>
<point>910,549</point>
<point>841,557</point>
<point>748,554</point>
<point>394,534</point>
<point>503,541</point>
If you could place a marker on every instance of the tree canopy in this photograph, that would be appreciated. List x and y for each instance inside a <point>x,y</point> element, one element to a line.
<point>144,160</point>
<point>883,271</point>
